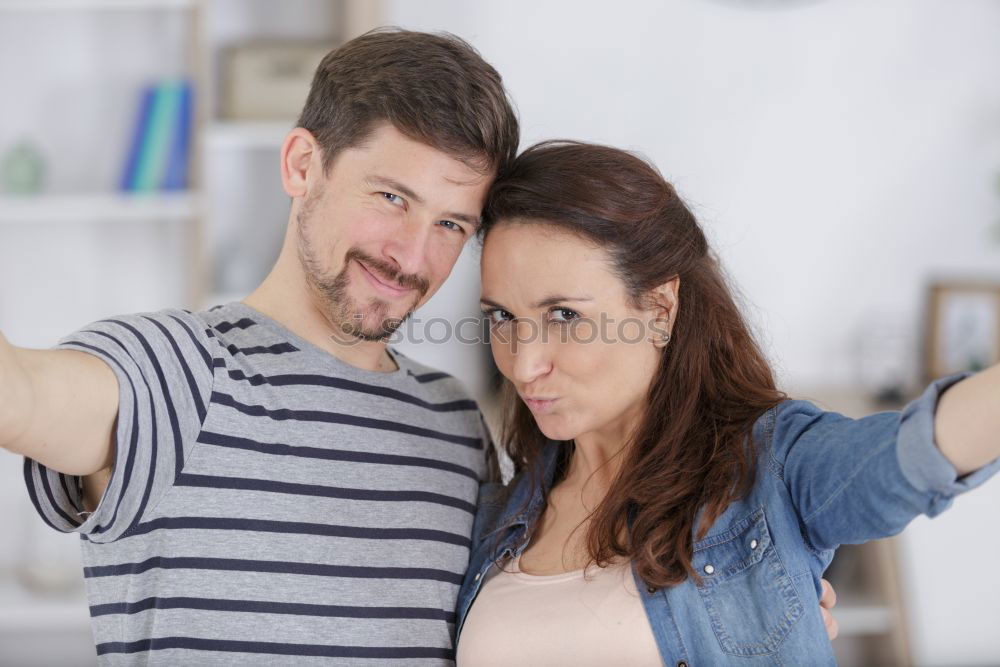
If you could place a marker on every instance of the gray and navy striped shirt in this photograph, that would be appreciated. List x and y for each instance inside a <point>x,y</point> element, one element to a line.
<point>270,504</point>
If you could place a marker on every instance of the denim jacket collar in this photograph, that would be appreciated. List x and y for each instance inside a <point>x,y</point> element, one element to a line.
<point>525,500</point>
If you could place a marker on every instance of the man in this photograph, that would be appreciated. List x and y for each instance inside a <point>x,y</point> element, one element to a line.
<point>267,482</point>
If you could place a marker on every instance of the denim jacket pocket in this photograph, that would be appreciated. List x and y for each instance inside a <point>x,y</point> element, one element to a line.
<point>750,599</point>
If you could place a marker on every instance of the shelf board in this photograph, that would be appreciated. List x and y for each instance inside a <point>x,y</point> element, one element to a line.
<point>247,134</point>
<point>21,611</point>
<point>94,5</point>
<point>101,207</point>
<point>861,617</point>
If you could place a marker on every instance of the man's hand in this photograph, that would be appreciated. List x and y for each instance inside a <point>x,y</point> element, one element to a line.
<point>826,603</point>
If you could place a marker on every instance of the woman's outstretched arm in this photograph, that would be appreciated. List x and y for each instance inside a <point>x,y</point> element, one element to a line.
<point>967,423</point>
<point>854,480</point>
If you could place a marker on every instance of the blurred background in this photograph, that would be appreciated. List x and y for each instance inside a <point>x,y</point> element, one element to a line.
<point>843,156</point>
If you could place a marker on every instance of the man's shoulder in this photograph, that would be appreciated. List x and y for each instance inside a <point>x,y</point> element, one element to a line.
<point>235,327</point>
<point>144,329</point>
<point>225,316</point>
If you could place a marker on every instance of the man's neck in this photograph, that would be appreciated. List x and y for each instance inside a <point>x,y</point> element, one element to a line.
<point>292,307</point>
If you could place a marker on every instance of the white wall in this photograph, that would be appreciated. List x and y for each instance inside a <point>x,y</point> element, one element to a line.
<point>840,153</point>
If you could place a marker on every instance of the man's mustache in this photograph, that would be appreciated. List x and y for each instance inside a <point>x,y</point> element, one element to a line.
<point>388,271</point>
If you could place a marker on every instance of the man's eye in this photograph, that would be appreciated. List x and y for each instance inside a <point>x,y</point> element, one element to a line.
<point>564,314</point>
<point>391,198</point>
<point>451,226</point>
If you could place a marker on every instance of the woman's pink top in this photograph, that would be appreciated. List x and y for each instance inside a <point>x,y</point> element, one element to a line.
<point>571,618</point>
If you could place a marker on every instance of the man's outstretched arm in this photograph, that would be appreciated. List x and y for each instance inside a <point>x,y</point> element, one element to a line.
<point>58,407</point>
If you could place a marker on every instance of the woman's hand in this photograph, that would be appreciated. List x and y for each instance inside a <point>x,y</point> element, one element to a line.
<point>966,423</point>
<point>826,603</point>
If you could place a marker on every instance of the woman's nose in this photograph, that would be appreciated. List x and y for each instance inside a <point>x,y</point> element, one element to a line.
<point>531,356</point>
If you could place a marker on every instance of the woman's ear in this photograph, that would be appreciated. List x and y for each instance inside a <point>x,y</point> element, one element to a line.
<point>300,154</point>
<point>665,302</point>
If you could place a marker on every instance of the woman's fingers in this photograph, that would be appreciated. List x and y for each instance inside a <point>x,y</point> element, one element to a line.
<point>826,603</point>
<point>832,629</point>
<point>829,598</point>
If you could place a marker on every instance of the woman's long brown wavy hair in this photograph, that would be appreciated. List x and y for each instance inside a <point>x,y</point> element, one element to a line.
<point>692,450</point>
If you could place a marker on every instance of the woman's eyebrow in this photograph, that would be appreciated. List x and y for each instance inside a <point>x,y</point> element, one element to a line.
<point>491,304</point>
<point>544,303</point>
<point>558,298</point>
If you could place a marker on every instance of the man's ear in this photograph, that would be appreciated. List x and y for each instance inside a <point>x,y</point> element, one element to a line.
<point>664,302</point>
<point>300,153</point>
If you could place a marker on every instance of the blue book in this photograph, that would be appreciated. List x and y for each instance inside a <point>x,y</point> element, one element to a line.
<point>156,140</point>
<point>139,129</point>
<point>175,176</point>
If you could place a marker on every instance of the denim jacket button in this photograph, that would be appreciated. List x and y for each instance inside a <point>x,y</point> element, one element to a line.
<point>477,576</point>
<point>753,544</point>
<point>681,663</point>
<point>650,590</point>
<point>709,569</point>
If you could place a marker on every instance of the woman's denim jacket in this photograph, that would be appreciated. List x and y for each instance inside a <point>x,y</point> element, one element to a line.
<point>822,480</point>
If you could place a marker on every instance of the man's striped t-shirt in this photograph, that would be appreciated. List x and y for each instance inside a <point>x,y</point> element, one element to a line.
<point>269,503</point>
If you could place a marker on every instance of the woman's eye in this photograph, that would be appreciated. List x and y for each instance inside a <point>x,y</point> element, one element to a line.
<point>497,316</point>
<point>391,198</point>
<point>564,314</point>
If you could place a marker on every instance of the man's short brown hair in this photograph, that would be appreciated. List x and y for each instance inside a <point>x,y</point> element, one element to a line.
<point>434,88</point>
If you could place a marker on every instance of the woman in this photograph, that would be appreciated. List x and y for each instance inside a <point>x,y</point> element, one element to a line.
<point>670,504</point>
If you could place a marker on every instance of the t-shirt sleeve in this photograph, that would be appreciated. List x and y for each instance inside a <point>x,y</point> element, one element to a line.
<point>164,365</point>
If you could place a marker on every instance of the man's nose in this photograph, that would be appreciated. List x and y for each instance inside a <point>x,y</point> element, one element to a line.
<point>407,247</point>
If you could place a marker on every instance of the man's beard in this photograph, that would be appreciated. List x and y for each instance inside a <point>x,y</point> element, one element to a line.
<point>369,322</point>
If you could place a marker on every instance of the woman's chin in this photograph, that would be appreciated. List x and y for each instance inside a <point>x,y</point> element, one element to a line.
<point>554,428</point>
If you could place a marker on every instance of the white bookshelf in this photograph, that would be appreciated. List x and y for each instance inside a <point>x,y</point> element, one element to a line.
<point>83,247</point>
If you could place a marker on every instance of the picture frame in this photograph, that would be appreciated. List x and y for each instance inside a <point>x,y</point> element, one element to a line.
<point>963,327</point>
